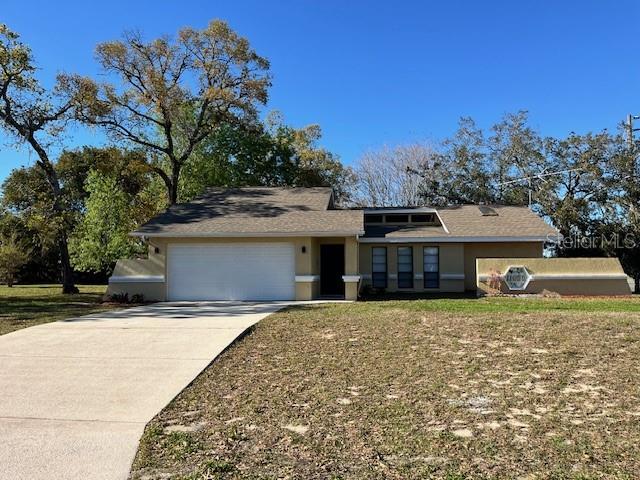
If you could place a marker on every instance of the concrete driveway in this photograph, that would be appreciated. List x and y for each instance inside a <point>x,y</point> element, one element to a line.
<point>75,395</point>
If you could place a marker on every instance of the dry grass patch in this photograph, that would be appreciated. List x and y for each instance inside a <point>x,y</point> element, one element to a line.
<point>394,391</point>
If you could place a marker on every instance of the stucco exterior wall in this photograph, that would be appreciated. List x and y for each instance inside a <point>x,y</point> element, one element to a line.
<point>451,258</point>
<point>139,277</point>
<point>351,261</point>
<point>565,276</point>
<point>307,265</point>
<point>474,251</point>
<point>151,292</point>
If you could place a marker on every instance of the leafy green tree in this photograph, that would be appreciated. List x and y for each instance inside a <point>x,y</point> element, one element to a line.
<point>13,256</point>
<point>172,94</point>
<point>458,172</point>
<point>515,151</point>
<point>25,194</point>
<point>621,225</point>
<point>316,166</point>
<point>575,199</point>
<point>272,154</point>
<point>465,158</point>
<point>102,236</point>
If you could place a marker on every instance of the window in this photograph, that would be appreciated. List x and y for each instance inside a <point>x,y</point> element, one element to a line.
<point>422,218</point>
<point>373,218</point>
<point>379,267</point>
<point>396,218</point>
<point>405,267</point>
<point>431,257</point>
<point>487,211</point>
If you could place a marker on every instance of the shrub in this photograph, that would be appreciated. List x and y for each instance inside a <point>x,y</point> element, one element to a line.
<point>137,298</point>
<point>118,298</point>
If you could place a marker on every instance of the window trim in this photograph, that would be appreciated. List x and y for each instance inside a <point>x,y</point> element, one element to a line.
<point>410,248</point>
<point>424,272</point>
<point>386,268</point>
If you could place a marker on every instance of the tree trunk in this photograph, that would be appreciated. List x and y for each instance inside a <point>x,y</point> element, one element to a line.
<point>173,193</point>
<point>175,180</point>
<point>68,284</point>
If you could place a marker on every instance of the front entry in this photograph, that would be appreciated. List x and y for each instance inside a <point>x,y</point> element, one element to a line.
<point>332,270</point>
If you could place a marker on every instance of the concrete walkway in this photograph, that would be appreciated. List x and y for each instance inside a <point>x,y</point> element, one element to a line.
<point>76,395</point>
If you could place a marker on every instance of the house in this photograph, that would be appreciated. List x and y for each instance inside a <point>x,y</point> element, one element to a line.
<point>260,243</point>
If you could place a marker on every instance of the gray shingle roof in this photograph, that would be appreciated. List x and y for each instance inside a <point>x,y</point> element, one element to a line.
<point>256,210</point>
<point>308,211</point>
<point>468,221</point>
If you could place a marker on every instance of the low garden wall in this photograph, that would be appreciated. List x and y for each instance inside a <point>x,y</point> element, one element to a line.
<point>138,277</point>
<point>564,276</point>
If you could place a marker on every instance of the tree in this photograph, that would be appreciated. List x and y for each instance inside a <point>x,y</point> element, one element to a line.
<point>269,154</point>
<point>316,166</point>
<point>469,178</point>
<point>102,237</point>
<point>575,199</point>
<point>26,195</point>
<point>515,152</point>
<point>395,177</point>
<point>13,255</point>
<point>35,116</point>
<point>622,225</point>
<point>173,94</point>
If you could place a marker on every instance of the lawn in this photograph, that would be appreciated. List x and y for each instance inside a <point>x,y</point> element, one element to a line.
<point>464,389</point>
<point>26,305</point>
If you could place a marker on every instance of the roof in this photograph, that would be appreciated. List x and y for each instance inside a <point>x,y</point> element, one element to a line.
<point>282,211</point>
<point>256,211</point>
<point>472,223</point>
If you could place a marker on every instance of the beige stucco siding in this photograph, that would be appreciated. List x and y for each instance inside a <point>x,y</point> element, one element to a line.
<point>151,292</point>
<point>139,277</point>
<point>451,259</point>
<point>566,276</point>
<point>307,262</point>
<point>473,251</point>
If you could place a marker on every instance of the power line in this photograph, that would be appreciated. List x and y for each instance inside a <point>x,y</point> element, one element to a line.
<point>537,176</point>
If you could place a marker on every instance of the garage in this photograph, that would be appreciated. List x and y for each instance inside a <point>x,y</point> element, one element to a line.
<point>234,271</point>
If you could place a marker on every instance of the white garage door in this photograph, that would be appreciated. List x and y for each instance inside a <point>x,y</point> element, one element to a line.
<point>252,271</point>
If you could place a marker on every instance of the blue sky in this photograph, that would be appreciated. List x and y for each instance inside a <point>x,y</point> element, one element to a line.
<point>382,73</point>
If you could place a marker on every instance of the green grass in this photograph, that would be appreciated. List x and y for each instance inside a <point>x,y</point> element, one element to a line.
<point>430,389</point>
<point>515,304</point>
<point>27,305</point>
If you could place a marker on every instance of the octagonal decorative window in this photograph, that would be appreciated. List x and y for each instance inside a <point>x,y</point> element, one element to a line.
<point>517,277</point>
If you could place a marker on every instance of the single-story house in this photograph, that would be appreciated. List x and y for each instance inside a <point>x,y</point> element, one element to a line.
<point>259,243</point>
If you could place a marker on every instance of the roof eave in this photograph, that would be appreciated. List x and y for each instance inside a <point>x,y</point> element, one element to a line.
<point>346,233</point>
<point>461,239</point>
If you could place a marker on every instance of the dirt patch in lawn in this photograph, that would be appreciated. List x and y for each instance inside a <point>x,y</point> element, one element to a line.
<point>385,390</point>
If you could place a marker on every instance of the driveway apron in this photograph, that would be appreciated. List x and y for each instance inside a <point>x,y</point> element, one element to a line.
<point>76,395</point>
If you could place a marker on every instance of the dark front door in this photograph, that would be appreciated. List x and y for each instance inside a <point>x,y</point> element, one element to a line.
<point>331,270</point>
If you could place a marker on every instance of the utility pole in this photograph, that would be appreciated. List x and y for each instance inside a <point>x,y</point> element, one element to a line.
<point>630,129</point>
